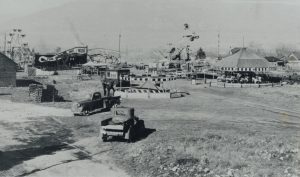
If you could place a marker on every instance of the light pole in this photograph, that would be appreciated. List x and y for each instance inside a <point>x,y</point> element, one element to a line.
<point>204,76</point>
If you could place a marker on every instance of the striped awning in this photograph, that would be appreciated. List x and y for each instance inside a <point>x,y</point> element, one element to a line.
<point>144,79</point>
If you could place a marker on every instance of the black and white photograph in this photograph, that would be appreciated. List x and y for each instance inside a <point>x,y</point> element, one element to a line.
<point>149,88</point>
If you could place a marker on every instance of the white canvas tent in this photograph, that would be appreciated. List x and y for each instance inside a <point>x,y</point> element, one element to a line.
<point>244,60</point>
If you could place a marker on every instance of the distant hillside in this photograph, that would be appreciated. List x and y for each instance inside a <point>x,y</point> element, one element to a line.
<point>146,25</point>
<point>98,24</point>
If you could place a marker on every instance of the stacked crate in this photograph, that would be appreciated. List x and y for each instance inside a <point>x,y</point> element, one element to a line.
<point>36,92</point>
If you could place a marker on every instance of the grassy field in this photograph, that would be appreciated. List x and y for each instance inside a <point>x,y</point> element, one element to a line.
<point>214,132</point>
<point>211,132</point>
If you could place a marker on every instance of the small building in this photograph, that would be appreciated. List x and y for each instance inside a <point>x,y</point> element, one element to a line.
<point>198,66</point>
<point>293,61</point>
<point>8,71</point>
<point>121,76</point>
<point>94,68</point>
<point>116,73</point>
<point>274,62</point>
<point>293,57</point>
<point>163,64</point>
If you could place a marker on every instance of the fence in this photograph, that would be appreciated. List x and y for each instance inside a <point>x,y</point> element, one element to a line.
<point>239,85</point>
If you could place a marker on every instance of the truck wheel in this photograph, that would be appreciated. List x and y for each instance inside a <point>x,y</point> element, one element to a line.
<point>141,129</point>
<point>104,104</point>
<point>130,135</point>
<point>87,112</point>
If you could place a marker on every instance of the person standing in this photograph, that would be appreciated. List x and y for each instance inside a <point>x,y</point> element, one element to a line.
<point>104,86</point>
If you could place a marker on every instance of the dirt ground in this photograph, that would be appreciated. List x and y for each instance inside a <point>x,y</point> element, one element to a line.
<point>211,132</point>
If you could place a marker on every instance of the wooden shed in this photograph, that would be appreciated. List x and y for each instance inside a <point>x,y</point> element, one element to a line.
<point>8,71</point>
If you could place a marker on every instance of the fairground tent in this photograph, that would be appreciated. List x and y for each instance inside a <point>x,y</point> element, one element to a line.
<point>244,60</point>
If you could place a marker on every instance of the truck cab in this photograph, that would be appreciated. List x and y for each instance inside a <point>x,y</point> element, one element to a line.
<point>96,96</point>
<point>94,104</point>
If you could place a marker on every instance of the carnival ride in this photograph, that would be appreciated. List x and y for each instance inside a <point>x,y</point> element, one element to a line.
<point>103,55</point>
<point>63,60</point>
<point>16,48</point>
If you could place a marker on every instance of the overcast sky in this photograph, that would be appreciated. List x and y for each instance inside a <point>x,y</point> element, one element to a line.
<point>148,24</point>
<point>10,9</point>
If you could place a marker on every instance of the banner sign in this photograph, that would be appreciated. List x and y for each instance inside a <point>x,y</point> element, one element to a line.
<point>66,59</point>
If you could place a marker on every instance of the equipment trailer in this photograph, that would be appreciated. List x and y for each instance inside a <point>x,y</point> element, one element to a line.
<point>124,124</point>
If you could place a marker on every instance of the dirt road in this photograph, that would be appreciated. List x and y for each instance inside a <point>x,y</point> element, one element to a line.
<point>35,142</point>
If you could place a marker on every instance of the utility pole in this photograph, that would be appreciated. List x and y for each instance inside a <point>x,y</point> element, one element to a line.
<point>120,47</point>
<point>219,45</point>
<point>243,42</point>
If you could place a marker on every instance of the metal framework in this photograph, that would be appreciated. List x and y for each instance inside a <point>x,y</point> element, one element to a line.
<point>16,48</point>
<point>104,55</point>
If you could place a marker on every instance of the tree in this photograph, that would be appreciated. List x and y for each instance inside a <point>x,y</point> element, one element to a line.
<point>257,48</point>
<point>284,50</point>
<point>200,54</point>
<point>58,49</point>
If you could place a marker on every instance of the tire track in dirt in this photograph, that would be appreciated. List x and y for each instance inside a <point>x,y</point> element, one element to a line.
<point>288,116</point>
<point>88,156</point>
<point>276,110</point>
<point>256,105</point>
<point>80,154</point>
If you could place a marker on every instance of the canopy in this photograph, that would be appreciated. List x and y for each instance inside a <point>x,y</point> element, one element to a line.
<point>243,59</point>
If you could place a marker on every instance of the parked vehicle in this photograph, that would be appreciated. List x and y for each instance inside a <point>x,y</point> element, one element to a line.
<point>95,104</point>
<point>294,78</point>
<point>180,74</point>
<point>231,79</point>
<point>244,80</point>
<point>221,78</point>
<point>124,124</point>
<point>256,80</point>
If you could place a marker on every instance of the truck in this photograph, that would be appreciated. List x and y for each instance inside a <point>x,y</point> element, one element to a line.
<point>123,124</point>
<point>95,104</point>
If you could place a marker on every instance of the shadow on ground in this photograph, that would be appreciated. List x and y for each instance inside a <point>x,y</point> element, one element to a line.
<point>146,133</point>
<point>8,159</point>
<point>26,82</point>
<point>92,113</point>
<point>49,138</point>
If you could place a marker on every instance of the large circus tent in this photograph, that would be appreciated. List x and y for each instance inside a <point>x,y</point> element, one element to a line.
<point>244,61</point>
